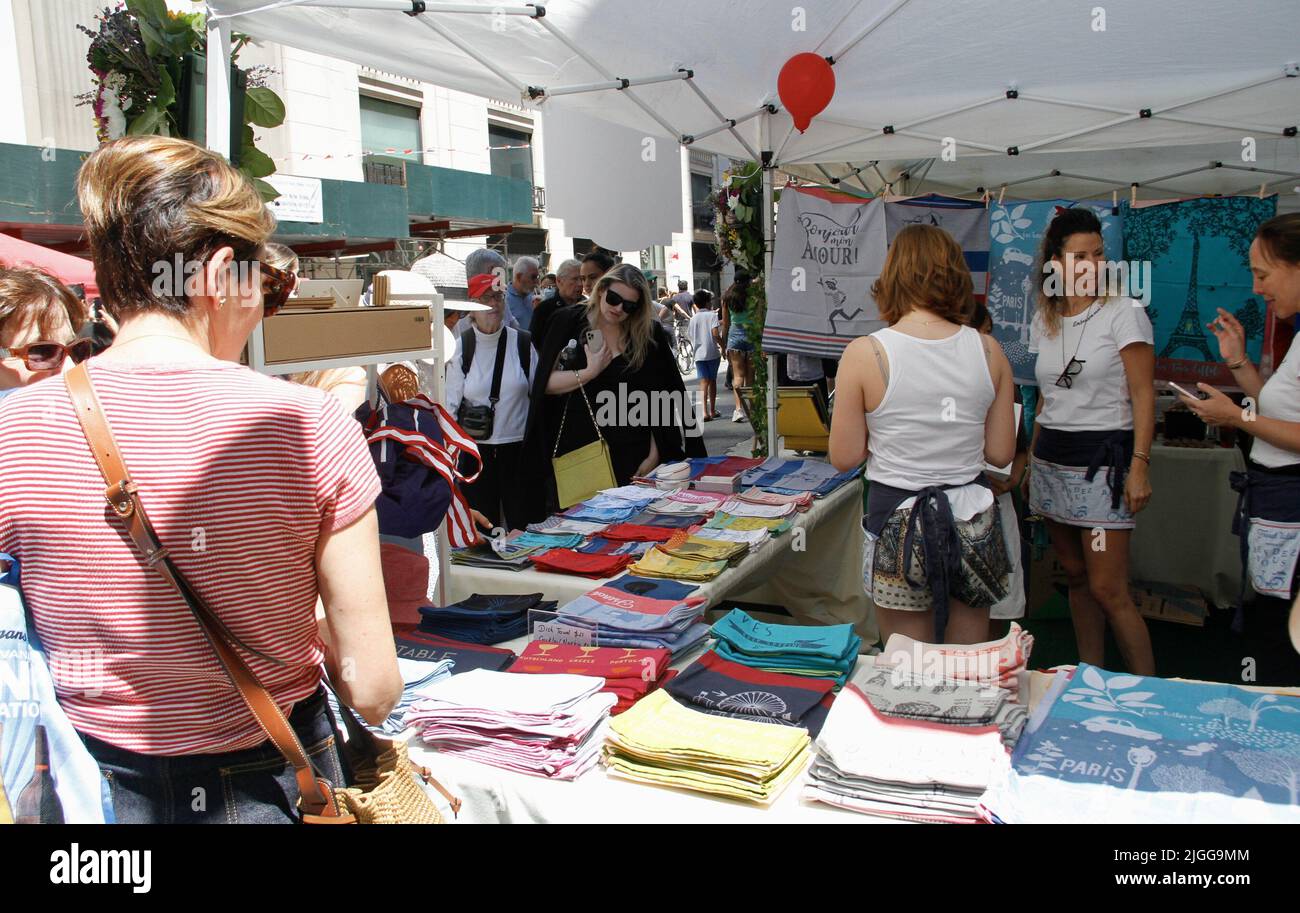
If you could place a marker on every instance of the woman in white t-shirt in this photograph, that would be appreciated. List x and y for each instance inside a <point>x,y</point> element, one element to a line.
<point>927,401</point>
<point>1270,487</point>
<point>1092,437</point>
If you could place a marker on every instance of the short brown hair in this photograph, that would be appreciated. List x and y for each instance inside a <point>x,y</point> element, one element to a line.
<point>28,294</point>
<point>1280,238</point>
<point>148,200</point>
<point>924,268</point>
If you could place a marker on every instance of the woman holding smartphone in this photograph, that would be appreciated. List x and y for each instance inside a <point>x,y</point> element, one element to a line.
<point>616,355</point>
<point>1092,438</point>
<point>1268,515</point>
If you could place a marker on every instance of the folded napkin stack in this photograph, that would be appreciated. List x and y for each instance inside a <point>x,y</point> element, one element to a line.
<point>818,651</point>
<point>1001,663</point>
<point>899,768</point>
<point>484,619</point>
<point>629,674</point>
<point>661,742</point>
<point>944,702</point>
<point>569,561</point>
<point>661,564</point>
<point>714,685</point>
<point>631,611</point>
<point>544,725</point>
<point>505,556</point>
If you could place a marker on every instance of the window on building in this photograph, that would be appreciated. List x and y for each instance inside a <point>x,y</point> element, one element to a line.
<point>389,125</point>
<point>701,206</point>
<point>512,153</point>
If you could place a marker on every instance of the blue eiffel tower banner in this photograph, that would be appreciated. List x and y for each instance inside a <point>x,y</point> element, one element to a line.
<point>1200,261</point>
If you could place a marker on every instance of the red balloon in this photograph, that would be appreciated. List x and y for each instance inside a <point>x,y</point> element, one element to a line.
<point>805,85</point>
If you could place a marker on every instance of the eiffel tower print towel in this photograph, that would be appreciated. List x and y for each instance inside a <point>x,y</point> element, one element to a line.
<point>1200,261</point>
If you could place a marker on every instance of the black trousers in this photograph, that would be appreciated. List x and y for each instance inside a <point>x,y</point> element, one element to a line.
<point>502,492</point>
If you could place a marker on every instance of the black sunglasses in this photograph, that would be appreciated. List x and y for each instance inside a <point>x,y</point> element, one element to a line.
<point>1066,379</point>
<point>615,300</point>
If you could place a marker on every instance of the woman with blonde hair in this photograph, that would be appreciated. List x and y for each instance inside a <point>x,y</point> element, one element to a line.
<point>1092,436</point>
<point>927,401</point>
<point>616,355</point>
<point>263,505</point>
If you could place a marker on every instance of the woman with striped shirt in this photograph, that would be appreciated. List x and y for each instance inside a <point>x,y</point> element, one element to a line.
<point>262,491</point>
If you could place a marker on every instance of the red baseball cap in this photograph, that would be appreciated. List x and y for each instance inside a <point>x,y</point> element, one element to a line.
<point>481,284</point>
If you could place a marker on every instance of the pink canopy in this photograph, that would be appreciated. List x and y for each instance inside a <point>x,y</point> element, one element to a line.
<point>69,269</point>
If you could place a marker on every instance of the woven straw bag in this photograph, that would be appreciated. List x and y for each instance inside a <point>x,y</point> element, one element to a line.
<point>389,786</point>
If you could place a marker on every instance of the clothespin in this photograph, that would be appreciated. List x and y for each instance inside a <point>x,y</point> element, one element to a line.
<point>1114,199</point>
<point>987,196</point>
<point>1133,194</point>
<point>1002,191</point>
<point>1261,190</point>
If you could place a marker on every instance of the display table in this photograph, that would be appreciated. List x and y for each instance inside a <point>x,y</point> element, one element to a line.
<point>492,795</point>
<point>815,574</point>
<point>1184,537</point>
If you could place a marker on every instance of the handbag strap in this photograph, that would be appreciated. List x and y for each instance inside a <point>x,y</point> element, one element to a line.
<point>565,414</point>
<point>123,497</point>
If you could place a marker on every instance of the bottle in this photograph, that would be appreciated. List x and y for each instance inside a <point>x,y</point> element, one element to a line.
<point>38,803</point>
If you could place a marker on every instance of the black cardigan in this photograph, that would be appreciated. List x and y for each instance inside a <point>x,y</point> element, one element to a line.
<point>629,445</point>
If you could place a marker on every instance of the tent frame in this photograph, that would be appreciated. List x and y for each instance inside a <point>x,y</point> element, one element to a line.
<point>424,12</point>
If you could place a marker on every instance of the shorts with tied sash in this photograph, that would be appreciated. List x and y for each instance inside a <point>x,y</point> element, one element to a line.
<point>1077,478</point>
<point>985,575</point>
<point>1268,522</point>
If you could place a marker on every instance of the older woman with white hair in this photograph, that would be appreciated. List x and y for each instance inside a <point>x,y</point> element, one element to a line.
<point>488,382</point>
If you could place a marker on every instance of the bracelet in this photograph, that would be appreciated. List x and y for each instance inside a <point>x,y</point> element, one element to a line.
<point>577,377</point>
<point>1144,457</point>
<point>1233,367</point>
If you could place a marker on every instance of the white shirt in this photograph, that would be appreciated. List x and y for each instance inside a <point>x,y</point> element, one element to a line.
<point>511,417</point>
<point>1280,398</point>
<point>1098,399</point>
<point>701,329</point>
<point>929,426</point>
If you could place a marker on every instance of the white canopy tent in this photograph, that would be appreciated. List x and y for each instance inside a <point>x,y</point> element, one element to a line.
<point>1045,97</point>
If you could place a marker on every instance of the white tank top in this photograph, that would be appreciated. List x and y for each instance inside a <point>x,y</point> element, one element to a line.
<point>929,427</point>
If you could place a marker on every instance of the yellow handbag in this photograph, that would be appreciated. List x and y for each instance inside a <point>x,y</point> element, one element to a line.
<point>580,473</point>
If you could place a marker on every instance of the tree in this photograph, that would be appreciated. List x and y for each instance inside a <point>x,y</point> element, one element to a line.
<point>1266,702</point>
<point>1182,778</point>
<point>1228,707</point>
<point>1277,768</point>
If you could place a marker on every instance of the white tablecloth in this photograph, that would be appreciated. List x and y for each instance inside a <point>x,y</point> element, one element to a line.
<point>818,583</point>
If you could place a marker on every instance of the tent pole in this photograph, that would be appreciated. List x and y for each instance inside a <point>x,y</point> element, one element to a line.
<point>473,54</point>
<point>218,87</point>
<point>769,235</point>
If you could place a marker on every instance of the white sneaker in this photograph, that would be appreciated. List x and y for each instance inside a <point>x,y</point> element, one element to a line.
<point>738,415</point>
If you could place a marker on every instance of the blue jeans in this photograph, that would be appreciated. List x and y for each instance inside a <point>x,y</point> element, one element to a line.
<point>253,786</point>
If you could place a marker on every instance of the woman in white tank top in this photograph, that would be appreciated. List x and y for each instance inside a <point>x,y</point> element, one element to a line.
<point>927,402</point>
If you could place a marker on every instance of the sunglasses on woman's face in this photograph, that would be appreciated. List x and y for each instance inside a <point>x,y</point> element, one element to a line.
<point>277,286</point>
<point>615,300</point>
<point>1066,379</point>
<point>48,356</point>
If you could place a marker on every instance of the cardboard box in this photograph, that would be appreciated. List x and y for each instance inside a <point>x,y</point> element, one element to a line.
<point>1164,602</point>
<point>290,337</point>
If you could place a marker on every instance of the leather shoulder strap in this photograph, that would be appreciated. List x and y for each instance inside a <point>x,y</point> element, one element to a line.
<point>123,498</point>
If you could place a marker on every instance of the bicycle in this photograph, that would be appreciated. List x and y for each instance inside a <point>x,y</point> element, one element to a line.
<point>683,348</point>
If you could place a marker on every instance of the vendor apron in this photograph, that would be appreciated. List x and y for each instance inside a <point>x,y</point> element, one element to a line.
<point>1063,482</point>
<point>931,521</point>
<point>1268,522</point>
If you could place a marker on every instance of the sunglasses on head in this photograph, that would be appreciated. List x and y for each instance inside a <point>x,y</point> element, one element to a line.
<point>1066,379</point>
<point>615,300</point>
<point>48,356</point>
<point>277,286</point>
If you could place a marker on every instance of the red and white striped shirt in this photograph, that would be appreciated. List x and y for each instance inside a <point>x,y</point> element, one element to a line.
<point>240,474</point>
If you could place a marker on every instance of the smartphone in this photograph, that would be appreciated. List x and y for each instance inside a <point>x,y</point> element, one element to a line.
<point>1187,393</point>
<point>596,340</point>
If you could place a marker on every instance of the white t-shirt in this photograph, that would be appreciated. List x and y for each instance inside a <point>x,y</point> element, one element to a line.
<point>701,329</point>
<point>1280,399</point>
<point>511,417</point>
<point>1098,399</point>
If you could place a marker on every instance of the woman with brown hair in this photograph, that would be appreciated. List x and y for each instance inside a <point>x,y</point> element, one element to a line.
<point>614,353</point>
<point>1091,448</point>
<point>263,492</point>
<point>927,401</point>
<point>1269,511</point>
<point>39,319</point>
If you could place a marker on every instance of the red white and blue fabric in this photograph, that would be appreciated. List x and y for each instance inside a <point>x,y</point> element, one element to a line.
<point>437,446</point>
